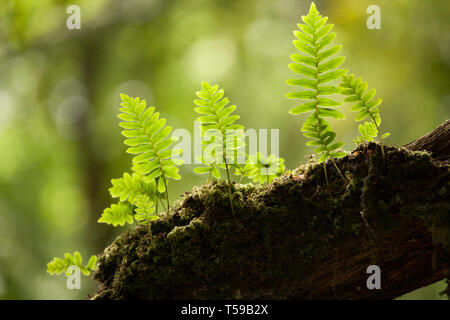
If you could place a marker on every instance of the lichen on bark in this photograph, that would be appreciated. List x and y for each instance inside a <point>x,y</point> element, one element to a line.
<point>278,233</point>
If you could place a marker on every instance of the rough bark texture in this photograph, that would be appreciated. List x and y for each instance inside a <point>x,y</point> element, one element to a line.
<point>295,238</point>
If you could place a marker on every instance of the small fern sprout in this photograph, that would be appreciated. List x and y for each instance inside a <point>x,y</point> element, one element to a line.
<point>127,189</point>
<point>265,169</point>
<point>365,103</point>
<point>222,140</point>
<point>368,133</point>
<point>145,211</point>
<point>148,139</point>
<point>319,66</point>
<point>244,171</point>
<point>58,265</point>
<point>210,168</point>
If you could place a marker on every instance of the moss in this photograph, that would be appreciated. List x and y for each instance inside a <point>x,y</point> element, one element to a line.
<point>204,251</point>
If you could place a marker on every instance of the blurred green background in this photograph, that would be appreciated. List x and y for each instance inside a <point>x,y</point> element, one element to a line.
<point>59,94</point>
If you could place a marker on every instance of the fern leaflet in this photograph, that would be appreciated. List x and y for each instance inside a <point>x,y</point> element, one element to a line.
<point>118,214</point>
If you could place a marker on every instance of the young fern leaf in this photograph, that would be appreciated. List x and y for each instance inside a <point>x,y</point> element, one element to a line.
<point>118,214</point>
<point>211,169</point>
<point>129,187</point>
<point>364,102</point>
<point>247,170</point>
<point>58,265</point>
<point>148,139</point>
<point>145,210</point>
<point>319,66</point>
<point>265,169</point>
<point>222,138</point>
<point>368,133</point>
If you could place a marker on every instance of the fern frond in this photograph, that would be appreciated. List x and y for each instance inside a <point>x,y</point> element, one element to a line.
<point>265,169</point>
<point>210,168</point>
<point>319,66</point>
<point>247,170</point>
<point>148,139</point>
<point>364,102</point>
<point>58,265</point>
<point>131,186</point>
<point>144,210</point>
<point>222,137</point>
<point>118,214</point>
<point>368,133</point>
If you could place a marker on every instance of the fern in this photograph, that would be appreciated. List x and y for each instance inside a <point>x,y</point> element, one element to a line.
<point>210,168</point>
<point>247,170</point>
<point>265,169</point>
<point>222,138</point>
<point>58,265</point>
<point>364,102</point>
<point>118,214</point>
<point>145,211</point>
<point>319,65</point>
<point>368,132</point>
<point>148,139</point>
<point>129,187</point>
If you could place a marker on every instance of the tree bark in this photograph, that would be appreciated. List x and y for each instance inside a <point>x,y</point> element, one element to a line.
<point>296,238</point>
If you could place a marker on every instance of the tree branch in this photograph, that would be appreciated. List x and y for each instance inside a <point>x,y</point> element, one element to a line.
<point>295,238</point>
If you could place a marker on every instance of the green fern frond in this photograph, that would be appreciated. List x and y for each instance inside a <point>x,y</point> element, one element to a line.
<point>368,133</point>
<point>144,210</point>
<point>148,139</point>
<point>265,169</point>
<point>131,186</point>
<point>364,102</point>
<point>319,65</point>
<point>118,214</point>
<point>247,170</point>
<point>222,137</point>
<point>210,168</point>
<point>58,265</point>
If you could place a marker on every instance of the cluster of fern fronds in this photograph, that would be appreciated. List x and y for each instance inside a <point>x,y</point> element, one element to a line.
<point>318,64</point>
<point>142,194</point>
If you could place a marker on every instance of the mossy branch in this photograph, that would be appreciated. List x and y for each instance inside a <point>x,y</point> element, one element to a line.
<point>294,238</point>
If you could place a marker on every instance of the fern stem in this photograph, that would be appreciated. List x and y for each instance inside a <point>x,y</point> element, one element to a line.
<point>317,110</point>
<point>381,140</point>
<point>326,176</point>
<point>229,185</point>
<point>337,168</point>
<point>342,176</point>
<point>162,203</point>
<point>167,194</point>
<point>225,161</point>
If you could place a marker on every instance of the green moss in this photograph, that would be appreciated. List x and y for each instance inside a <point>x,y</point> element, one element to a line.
<point>277,231</point>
